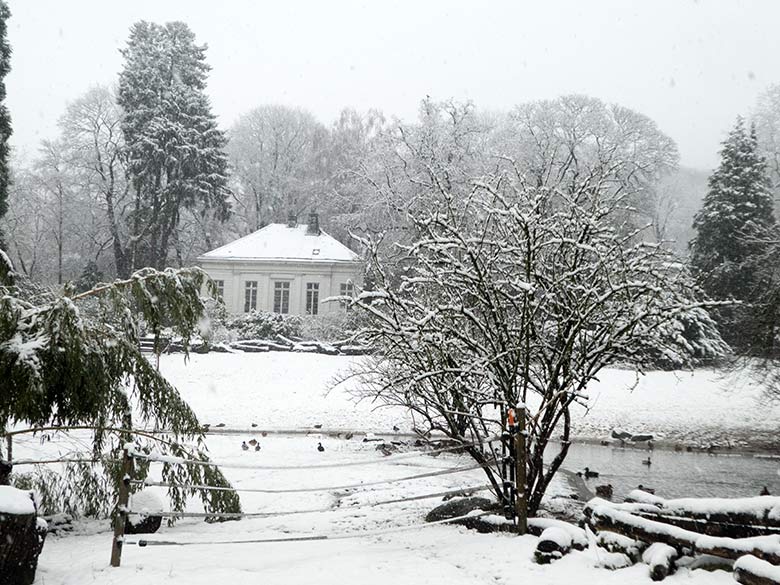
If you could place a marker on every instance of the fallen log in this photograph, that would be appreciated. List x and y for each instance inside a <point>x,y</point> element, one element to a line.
<point>755,511</point>
<point>660,557</point>
<point>750,570</point>
<point>617,543</point>
<point>579,539</point>
<point>601,515</point>
<point>553,544</point>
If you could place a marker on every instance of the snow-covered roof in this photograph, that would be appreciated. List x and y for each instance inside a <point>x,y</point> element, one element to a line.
<point>278,241</point>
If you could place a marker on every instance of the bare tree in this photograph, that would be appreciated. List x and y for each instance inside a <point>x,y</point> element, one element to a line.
<point>512,293</point>
<point>277,157</point>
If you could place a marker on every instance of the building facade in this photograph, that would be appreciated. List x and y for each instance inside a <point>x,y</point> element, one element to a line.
<point>284,268</point>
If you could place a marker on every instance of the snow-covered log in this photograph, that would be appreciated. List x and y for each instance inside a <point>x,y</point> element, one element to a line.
<point>602,516</point>
<point>758,510</point>
<point>750,570</point>
<point>21,537</point>
<point>660,557</point>
<point>579,540</point>
<point>554,543</point>
<point>617,543</point>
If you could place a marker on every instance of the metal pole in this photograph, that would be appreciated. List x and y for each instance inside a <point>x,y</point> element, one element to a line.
<point>521,499</point>
<point>120,514</point>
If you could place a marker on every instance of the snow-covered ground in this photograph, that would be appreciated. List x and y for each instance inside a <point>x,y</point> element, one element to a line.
<point>284,391</point>
<point>290,391</point>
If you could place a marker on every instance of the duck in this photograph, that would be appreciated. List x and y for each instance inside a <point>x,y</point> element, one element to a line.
<point>320,448</point>
<point>604,491</point>
<point>395,428</point>
<point>257,447</point>
<point>318,426</point>
<point>348,436</point>
<point>244,446</point>
<point>645,489</point>
<point>254,425</point>
<point>265,434</point>
<point>765,492</point>
<point>647,462</point>
<point>253,442</point>
<point>588,473</point>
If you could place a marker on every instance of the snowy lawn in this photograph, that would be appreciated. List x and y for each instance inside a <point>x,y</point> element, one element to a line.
<point>288,391</point>
<point>284,391</point>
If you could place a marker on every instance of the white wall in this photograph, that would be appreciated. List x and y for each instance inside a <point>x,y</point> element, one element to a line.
<point>298,274</point>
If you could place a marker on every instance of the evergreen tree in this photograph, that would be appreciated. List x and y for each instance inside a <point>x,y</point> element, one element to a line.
<point>175,151</point>
<point>733,228</point>
<point>69,359</point>
<point>5,119</point>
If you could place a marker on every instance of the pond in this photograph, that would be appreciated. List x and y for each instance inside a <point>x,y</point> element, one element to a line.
<point>676,474</point>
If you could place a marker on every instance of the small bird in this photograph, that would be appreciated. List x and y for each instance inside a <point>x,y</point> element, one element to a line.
<point>645,489</point>
<point>254,425</point>
<point>395,428</point>
<point>348,436</point>
<point>220,425</point>
<point>318,426</point>
<point>604,443</point>
<point>253,442</point>
<point>265,434</point>
<point>647,462</point>
<point>588,473</point>
<point>257,447</point>
<point>765,492</point>
<point>320,448</point>
<point>604,491</point>
<point>244,446</point>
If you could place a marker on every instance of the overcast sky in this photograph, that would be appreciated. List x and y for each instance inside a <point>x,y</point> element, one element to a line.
<point>691,66</point>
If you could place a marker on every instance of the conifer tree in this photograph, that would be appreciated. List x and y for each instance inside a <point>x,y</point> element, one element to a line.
<point>733,228</point>
<point>71,358</point>
<point>5,119</point>
<point>174,148</point>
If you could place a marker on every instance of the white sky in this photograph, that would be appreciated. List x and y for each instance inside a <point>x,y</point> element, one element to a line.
<point>691,66</point>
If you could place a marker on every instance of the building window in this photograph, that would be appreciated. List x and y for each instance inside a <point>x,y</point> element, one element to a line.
<point>250,296</point>
<point>282,297</point>
<point>220,284</point>
<point>312,297</point>
<point>346,289</point>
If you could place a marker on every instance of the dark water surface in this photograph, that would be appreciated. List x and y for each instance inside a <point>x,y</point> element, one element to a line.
<point>676,474</point>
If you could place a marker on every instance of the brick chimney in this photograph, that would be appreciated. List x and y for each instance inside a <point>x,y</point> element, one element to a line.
<point>313,228</point>
<point>292,220</point>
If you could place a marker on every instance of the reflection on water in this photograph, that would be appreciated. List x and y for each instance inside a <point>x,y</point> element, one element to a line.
<point>673,474</point>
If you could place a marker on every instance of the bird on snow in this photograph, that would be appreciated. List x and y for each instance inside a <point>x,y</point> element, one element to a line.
<point>264,434</point>
<point>645,489</point>
<point>348,436</point>
<point>318,426</point>
<point>604,491</point>
<point>647,462</point>
<point>765,492</point>
<point>257,447</point>
<point>320,448</point>
<point>244,446</point>
<point>254,425</point>
<point>395,428</point>
<point>253,442</point>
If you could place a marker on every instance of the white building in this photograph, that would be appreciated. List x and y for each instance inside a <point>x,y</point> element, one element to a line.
<point>284,268</point>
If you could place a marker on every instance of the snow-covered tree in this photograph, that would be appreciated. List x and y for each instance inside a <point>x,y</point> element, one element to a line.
<point>732,228</point>
<point>72,358</point>
<point>511,293</point>
<point>5,118</point>
<point>278,158</point>
<point>174,149</point>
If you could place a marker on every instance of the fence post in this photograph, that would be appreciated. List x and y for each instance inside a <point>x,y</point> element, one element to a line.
<point>521,497</point>
<point>120,514</point>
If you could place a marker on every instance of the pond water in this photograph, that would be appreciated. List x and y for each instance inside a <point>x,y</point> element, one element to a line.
<point>676,474</point>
